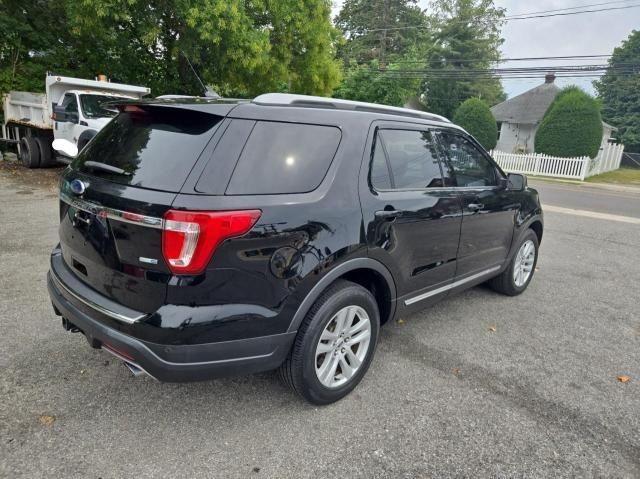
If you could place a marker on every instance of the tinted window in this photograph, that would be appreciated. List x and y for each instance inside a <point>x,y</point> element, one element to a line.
<point>284,158</point>
<point>216,174</point>
<point>379,175</point>
<point>469,166</point>
<point>412,159</point>
<point>151,147</point>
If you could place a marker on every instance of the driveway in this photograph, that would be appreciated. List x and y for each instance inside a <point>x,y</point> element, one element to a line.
<point>479,385</point>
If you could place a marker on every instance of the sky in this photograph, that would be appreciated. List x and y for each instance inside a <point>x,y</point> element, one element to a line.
<point>585,34</point>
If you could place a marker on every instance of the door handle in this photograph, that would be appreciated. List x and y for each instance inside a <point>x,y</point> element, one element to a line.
<point>388,215</point>
<point>475,206</point>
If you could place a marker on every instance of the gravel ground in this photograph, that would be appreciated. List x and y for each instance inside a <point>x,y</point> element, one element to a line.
<point>479,385</point>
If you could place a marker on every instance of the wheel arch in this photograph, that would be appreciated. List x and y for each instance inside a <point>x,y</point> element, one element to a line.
<point>85,136</point>
<point>367,272</point>
<point>537,227</point>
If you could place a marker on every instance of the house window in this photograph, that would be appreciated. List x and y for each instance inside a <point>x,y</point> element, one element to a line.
<point>499,129</point>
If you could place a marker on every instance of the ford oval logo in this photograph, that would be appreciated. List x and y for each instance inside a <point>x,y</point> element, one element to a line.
<point>77,186</point>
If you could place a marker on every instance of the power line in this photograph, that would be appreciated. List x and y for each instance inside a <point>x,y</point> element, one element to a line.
<point>522,16</point>
<point>505,60</point>
<point>626,66</point>
<point>563,71</point>
<point>571,8</point>
<point>572,13</point>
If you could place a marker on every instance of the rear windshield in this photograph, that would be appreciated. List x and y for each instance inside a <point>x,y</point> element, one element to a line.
<point>284,158</point>
<point>149,147</point>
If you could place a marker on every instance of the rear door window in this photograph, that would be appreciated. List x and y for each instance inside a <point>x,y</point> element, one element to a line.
<point>280,158</point>
<point>147,146</point>
<point>411,161</point>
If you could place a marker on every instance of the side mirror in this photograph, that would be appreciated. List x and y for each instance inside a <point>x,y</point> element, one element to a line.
<point>65,147</point>
<point>516,182</point>
<point>59,114</point>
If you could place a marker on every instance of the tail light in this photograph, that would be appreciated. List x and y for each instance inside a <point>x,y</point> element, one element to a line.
<point>189,238</point>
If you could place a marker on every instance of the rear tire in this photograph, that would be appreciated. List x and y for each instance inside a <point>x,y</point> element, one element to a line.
<point>46,155</point>
<point>342,321</point>
<point>515,279</point>
<point>29,152</point>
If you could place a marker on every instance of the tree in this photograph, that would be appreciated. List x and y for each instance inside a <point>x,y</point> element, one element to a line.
<point>239,48</point>
<point>35,39</point>
<point>619,91</point>
<point>368,83</point>
<point>475,117</point>
<point>466,38</point>
<point>572,126</point>
<point>376,30</point>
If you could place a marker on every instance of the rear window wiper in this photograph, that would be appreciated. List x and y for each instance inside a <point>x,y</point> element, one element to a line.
<point>103,166</point>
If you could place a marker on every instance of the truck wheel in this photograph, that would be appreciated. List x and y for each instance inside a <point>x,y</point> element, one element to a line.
<point>46,155</point>
<point>334,345</point>
<point>29,152</point>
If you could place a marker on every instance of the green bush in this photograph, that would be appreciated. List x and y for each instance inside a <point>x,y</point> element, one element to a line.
<point>475,117</point>
<point>571,127</point>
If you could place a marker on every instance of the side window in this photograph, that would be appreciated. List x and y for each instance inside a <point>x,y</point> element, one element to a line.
<point>216,174</point>
<point>411,161</point>
<point>467,164</point>
<point>70,103</point>
<point>280,158</point>
<point>379,176</point>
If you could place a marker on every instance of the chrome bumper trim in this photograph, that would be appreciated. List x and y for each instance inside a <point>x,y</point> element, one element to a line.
<point>97,307</point>
<point>112,213</point>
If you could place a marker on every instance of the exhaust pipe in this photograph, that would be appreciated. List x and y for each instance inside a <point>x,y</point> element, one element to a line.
<point>135,370</point>
<point>69,326</point>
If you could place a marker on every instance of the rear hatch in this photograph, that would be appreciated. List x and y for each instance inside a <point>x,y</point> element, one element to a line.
<point>114,196</point>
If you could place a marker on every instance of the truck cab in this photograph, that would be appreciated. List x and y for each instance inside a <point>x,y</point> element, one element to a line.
<point>70,111</point>
<point>80,114</point>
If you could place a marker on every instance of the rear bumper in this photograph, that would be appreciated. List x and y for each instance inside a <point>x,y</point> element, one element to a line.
<point>166,362</point>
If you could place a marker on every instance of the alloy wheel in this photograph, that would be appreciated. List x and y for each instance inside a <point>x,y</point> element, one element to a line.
<point>523,265</point>
<point>343,346</point>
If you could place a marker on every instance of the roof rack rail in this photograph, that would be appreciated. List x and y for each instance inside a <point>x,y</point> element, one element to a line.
<point>290,99</point>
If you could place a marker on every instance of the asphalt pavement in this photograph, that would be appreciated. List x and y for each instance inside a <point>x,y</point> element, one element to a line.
<point>480,385</point>
<point>600,198</point>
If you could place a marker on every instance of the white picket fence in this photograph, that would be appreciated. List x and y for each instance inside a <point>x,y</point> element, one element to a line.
<point>579,168</point>
<point>608,159</point>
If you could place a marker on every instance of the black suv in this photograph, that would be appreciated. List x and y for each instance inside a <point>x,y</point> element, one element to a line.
<point>203,238</point>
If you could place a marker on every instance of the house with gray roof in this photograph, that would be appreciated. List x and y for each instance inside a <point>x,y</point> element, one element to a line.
<point>519,117</point>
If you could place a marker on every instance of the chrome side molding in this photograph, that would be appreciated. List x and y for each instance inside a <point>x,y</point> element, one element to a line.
<point>453,285</point>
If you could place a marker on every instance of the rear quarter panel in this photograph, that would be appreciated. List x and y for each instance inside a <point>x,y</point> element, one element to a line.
<point>257,282</point>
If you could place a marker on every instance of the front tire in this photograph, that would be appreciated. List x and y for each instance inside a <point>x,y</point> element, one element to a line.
<point>334,345</point>
<point>515,279</point>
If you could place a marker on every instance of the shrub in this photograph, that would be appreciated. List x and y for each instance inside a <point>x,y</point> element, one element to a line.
<point>475,117</point>
<point>572,126</point>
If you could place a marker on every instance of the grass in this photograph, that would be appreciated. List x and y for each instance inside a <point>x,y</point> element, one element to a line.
<point>622,176</point>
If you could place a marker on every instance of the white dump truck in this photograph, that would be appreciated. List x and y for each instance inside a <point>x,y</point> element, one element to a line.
<point>71,109</point>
